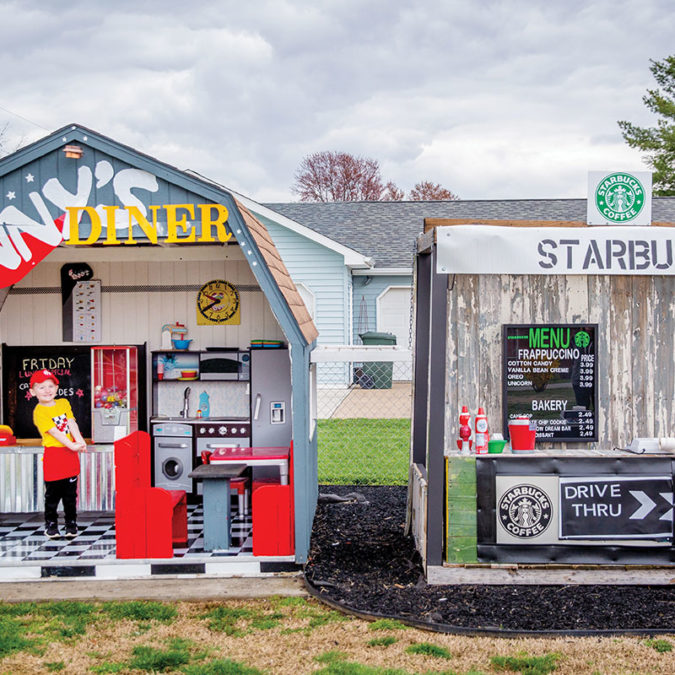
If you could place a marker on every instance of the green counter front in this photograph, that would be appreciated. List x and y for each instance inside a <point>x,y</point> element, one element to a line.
<point>580,507</point>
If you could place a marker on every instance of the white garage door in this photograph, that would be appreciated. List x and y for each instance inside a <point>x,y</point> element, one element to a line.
<point>393,316</point>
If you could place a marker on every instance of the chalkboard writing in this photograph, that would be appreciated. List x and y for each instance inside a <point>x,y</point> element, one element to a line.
<point>72,367</point>
<point>549,375</point>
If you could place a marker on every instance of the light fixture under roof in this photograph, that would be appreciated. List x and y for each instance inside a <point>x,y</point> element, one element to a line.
<point>73,151</point>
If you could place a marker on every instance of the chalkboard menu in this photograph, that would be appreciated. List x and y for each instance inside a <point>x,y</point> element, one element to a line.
<point>549,375</point>
<point>72,367</point>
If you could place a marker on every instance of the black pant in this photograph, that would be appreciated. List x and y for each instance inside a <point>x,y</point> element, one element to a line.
<point>61,490</point>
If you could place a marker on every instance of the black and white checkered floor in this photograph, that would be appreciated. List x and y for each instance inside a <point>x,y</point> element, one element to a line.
<point>24,546</point>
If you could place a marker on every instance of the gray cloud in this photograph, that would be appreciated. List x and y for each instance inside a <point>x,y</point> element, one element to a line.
<point>493,100</point>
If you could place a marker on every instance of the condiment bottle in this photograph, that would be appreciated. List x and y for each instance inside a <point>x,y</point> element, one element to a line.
<point>482,435</point>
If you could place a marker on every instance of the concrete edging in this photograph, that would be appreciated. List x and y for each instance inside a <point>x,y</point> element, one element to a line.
<point>167,589</point>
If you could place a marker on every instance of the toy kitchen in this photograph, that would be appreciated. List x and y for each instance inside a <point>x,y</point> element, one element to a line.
<point>208,402</point>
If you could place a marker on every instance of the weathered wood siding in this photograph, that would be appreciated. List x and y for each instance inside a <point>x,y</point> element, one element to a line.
<point>636,347</point>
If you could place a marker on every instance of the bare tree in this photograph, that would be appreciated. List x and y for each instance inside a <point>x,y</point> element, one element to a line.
<point>392,193</point>
<point>3,139</point>
<point>338,177</point>
<point>428,191</point>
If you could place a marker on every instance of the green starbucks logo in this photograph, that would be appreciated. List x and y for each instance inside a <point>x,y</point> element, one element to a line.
<point>620,197</point>
<point>582,339</point>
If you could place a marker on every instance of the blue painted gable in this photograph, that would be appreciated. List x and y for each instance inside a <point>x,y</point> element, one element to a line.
<point>39,184</point>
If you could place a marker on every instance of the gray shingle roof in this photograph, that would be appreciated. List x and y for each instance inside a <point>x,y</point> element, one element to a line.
<point>386,231</point>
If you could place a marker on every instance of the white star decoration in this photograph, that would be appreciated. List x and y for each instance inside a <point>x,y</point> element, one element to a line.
<point>11,195</point>
<point>30,178</point>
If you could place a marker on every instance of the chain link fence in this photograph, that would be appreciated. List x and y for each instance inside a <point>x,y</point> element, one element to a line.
<point>364,412</point>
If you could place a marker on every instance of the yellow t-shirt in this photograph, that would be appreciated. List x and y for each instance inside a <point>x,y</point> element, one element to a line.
<point>46,417</point>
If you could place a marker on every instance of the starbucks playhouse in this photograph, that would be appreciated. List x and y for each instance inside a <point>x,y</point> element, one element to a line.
<point>561,334</point>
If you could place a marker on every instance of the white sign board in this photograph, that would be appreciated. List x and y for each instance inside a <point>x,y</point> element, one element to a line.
<point>488,249</point>
<point>619,198</point>
<point>87,311</point>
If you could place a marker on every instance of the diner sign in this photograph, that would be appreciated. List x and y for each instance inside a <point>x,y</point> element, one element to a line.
<point>549,376</point>
<point>99,205</point>
<point>174,223</point>
<point>489,249</point>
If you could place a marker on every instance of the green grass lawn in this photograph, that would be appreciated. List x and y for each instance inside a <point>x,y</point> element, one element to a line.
<point>363,451</point>
<point>286,636</point>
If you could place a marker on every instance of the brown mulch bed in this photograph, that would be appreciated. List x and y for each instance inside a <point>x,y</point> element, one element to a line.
<point>360,559</point>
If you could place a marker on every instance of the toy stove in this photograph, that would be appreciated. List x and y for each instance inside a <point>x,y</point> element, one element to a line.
<point>227,432</point>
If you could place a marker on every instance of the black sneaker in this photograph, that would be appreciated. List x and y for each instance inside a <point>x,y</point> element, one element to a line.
<point>52,531</point>
<point>71,530</point>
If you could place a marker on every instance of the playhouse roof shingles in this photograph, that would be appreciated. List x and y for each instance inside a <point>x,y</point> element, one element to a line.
<point>280,273</point>
<point>387,231</point>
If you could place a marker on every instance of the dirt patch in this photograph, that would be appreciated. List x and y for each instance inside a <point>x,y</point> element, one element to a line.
<point>395,402</point>
<point>361,559</point>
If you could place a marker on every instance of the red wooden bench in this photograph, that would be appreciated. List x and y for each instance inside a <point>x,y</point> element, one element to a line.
<point>149,521</point>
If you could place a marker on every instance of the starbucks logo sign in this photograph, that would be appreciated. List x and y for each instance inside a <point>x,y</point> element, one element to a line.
<point>582,339</point>
<point>620,197</point>
<point>524,511</point>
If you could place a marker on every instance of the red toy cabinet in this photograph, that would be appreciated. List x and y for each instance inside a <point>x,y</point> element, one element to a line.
<point>272,520</point>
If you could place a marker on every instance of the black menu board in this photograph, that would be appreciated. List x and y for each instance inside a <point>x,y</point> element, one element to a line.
<point>549,375</point>
<point>70,364</point>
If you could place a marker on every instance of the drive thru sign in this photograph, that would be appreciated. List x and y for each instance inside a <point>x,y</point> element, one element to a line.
<point>616,507</point>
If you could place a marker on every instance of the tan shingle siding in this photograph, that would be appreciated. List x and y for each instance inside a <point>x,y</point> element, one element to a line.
<point>280,273</point>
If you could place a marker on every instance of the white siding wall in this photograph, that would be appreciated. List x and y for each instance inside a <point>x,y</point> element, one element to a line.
<point>324,273</point>
<point>138,316</point>
<point>365,301</point>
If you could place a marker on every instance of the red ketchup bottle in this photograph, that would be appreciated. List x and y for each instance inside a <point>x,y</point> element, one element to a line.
<point>464,432</point>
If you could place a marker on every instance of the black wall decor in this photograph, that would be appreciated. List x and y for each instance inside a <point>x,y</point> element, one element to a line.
<point>71,273</point>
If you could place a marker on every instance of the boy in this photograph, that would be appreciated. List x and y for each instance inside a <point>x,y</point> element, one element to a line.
<point>62,441</point>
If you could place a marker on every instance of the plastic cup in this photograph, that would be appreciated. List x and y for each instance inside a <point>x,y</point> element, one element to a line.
<point>496,445</point>
<point>522,433</point>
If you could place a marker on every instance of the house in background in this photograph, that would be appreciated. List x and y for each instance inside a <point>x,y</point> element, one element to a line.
<point>320,244</point>
<point>352,262</point>
<point>384,232</point>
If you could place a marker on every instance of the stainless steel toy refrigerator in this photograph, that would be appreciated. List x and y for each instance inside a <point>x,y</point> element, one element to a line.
<point>270,398</point>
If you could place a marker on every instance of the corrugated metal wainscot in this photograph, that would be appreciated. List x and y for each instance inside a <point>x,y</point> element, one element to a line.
<point>22,484</point>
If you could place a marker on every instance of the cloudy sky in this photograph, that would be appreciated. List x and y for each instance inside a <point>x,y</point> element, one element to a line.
<point>494,100</point>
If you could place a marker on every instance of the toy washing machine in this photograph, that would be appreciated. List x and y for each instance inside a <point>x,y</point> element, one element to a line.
<point>172,456</point>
